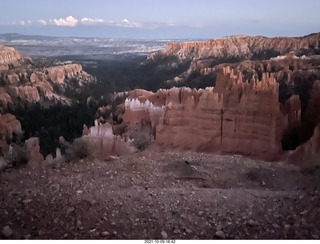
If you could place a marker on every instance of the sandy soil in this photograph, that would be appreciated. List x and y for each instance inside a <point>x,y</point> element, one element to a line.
<point>161,195</point>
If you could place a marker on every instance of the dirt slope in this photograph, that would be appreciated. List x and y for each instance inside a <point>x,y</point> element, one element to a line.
<point>161,195</point>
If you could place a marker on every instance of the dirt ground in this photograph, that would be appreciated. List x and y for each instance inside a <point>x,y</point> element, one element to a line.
<point>161,195</point>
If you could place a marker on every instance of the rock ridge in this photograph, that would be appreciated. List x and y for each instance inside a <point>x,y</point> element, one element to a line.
<point>240,46</point>
<point>23,82</point>
<point>235,116</point>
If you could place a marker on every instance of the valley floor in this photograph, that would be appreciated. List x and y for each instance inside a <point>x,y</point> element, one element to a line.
<point>161,195</point>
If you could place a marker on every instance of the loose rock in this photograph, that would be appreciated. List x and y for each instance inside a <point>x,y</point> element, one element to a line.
<point>105,233</point>
<point>6,231</point>
<point>164,234</point>
<point>220,234</point>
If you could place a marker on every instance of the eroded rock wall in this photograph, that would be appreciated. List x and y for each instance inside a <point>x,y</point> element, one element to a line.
<point>239,46</point>
<point>9,57</point>
<point>233,117</point>
<point>23,81</point>
<point>105,143</point>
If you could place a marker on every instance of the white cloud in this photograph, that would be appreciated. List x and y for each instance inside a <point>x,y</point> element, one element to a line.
<point>123,23</point>
<point>42,22</point>
<point>87,21</point>
<point>68,21</point>
<point>90,21</point>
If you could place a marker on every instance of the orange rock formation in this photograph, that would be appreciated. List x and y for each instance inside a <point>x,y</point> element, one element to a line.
<point>234,117</point>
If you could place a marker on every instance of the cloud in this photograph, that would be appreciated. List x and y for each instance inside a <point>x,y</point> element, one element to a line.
<point>123,23</point>
<point>68,21</point>
<point>42,22</point>
<point>71,21</point>
<point>90,21</point>
<point>21,23</point>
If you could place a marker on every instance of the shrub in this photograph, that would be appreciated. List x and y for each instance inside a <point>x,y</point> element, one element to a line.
<point>142,139</point>
<point>20,156</point>
<point>79,149</point>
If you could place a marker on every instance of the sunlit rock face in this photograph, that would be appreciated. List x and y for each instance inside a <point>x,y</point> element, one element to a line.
<point>234,117</point>
<point>9,57</point>
<point>104,143</point>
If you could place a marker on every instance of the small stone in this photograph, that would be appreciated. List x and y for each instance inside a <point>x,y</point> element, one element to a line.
<point>27,201</point>
<point>287,227</point>
<point>28,236</point>
<point>315,236</point>
<point>276,226</point>
<point>79,192</point>
<point>70,210</point>
<point>220,235</point>
<point>105,233</point>
<point>93,202</point>
<point>304,212</point>
<point>175,231</point>
<point>6,231</point>
<point>251,222</point>
<point>92,230</point>
<point>183,216</point>
<point>113,223</point>
<point>164,234</point>
<point>188,231</point>
<point>78,223</point>
<point>115,233</point>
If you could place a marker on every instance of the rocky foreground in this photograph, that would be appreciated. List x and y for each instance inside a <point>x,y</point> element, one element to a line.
<point>161,195</point>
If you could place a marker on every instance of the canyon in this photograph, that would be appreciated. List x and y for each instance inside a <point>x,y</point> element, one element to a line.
<point>264,103</point>
<point>227,148</point>
<point>27,81</point>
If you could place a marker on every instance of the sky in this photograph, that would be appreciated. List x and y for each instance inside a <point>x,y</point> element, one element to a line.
<point>160,19</point>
